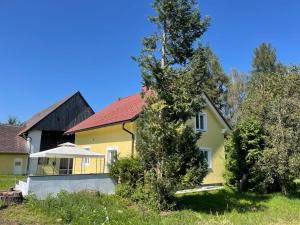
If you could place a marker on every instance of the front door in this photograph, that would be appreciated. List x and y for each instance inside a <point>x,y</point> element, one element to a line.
<point>18,165</point>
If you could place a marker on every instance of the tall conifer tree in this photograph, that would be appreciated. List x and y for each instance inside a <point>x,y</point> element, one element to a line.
<point>173,73</point>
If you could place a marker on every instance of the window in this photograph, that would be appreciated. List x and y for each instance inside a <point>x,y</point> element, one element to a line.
<point>112,155</point>
<point>18,163</point>
<point>43,161</point>
<point>65,166</point>
<point>201,121</point>
<point>207,155</point>
<point>86,161</point>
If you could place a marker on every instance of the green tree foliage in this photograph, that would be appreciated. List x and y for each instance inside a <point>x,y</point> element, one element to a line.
<point>280,162</point>
<point>272,99</point>
<point>216,85</point>
<point>244,147</point>
<point>13,120</point>
<point>173,71</point>
<point>265,59</point>
<point>237,90</point>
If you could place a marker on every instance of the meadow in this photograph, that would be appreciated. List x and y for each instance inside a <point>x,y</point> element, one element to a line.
<point>214,207</point>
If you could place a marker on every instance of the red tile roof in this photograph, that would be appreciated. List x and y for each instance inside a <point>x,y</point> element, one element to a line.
<point>125,109</point>
<point>10,142</point>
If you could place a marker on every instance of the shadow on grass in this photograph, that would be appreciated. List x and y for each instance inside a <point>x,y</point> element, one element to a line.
<point>295,195</point>
<point>222,201</point>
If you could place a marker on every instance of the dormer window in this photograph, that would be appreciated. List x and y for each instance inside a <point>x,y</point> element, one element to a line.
<point>201,122</point>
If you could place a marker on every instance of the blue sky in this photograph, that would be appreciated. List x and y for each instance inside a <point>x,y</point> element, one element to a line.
<point>52,48</point>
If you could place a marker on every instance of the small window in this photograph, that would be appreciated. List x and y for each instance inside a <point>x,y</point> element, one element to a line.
<point>207,154</point>
<point>201,122</point>
<point>112,156</point>
<point>18,163</point>
<point>86,161</point>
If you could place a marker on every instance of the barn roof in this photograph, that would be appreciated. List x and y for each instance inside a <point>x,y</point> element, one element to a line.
<point>46,112</point>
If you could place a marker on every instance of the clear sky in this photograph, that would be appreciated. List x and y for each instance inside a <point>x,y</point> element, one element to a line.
<point>52,48</point>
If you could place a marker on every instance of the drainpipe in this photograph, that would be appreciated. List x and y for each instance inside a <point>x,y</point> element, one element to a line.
<point>132,137</point>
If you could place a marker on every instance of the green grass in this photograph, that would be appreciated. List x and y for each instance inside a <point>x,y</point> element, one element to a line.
<point>216,207</point>
<point>8,181</point>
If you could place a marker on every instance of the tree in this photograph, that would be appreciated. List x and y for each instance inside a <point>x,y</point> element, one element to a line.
<point>264,60</point>
<point>216,85</point>
<point>272,100</point>
<point>280,162</point>
<point>244,147</point>
<point>173,73</point>
<point>13,120</point>
<point>237,90</point>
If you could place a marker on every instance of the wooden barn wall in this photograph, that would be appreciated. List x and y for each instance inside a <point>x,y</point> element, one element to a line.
<point>69,114</point>
<point>51,139</point>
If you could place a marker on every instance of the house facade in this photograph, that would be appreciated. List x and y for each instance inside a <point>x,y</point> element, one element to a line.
<point>13,150</point>
<point>112,131</point>
<point>43,131</point>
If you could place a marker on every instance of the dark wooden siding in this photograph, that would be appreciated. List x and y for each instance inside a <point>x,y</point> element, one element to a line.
<point>69,114</point>
<point>51,139</point>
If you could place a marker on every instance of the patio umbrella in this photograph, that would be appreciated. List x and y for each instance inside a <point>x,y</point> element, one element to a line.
<point>66,150</point>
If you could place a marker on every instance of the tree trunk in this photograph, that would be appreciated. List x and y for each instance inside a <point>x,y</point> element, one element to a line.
<point>283,187</point>
<point>243,182</point>
<point>163,47</point>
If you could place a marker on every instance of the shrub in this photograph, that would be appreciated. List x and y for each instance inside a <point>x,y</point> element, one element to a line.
<point>124,190</point>
<point>133,181</point>
<point>127,171</point>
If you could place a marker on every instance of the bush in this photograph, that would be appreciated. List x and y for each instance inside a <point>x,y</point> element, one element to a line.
<point>127,171</point>
<point>132,184</point>
<point>124,190</point>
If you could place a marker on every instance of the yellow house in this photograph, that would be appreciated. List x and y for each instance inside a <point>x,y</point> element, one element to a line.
<point>13,151</point>
<point>112,131</point>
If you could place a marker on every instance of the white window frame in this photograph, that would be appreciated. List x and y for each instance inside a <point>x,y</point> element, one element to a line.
<point>86,160</point>
<point>209,156</point>
<point>204,114</point>
<point>109,150</point>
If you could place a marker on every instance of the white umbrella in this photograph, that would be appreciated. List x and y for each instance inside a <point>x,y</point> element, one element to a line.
<point>66,150</point>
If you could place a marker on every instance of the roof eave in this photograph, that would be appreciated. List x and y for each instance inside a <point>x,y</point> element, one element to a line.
<point>16,153</point>
<point>100,126</point>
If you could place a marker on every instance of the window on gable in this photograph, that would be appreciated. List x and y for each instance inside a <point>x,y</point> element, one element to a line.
<point>208,156</point>
<point>201,121</point>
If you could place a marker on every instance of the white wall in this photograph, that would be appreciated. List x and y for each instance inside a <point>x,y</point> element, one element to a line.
<point>34,140</point>
<point>34,144</point>
<point>42,186</point>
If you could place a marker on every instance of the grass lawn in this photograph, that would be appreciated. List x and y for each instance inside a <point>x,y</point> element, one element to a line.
<point>8,181</point>
<point>215,207</point>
